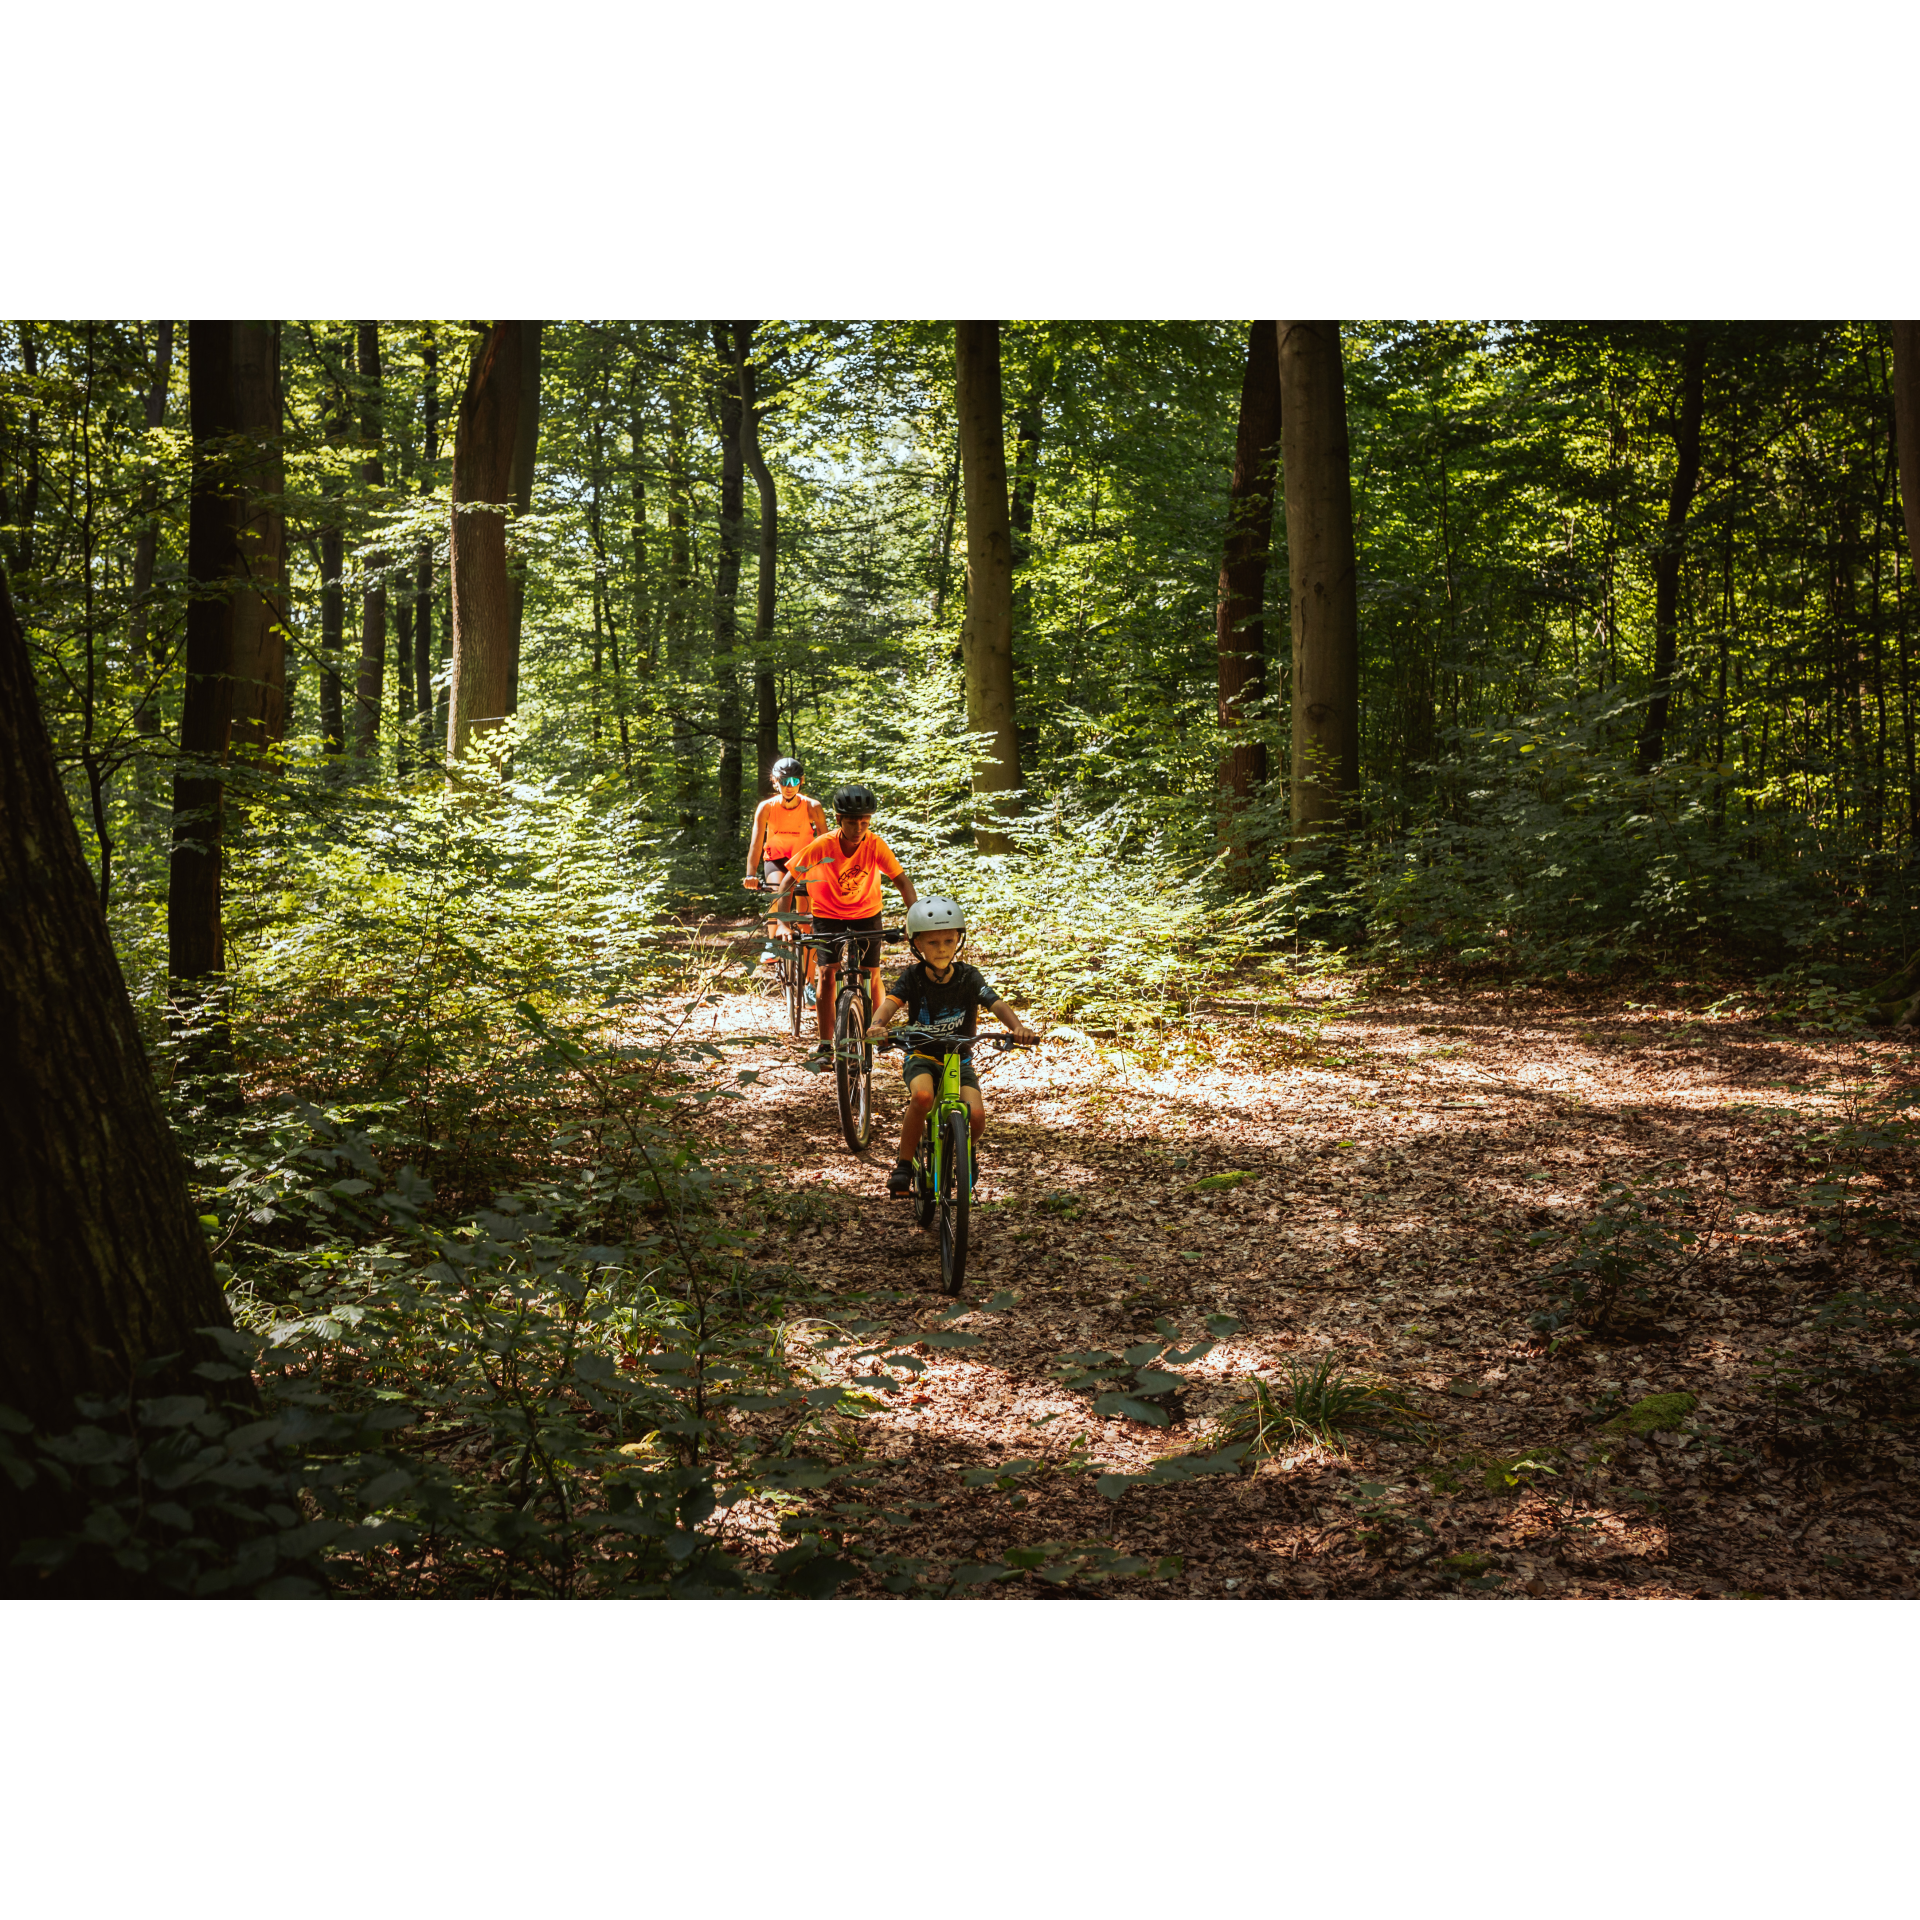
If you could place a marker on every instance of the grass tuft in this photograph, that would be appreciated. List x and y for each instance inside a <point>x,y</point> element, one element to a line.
<point>1322,1403</point>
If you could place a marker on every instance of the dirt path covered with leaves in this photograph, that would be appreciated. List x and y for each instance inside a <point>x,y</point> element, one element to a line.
<point>1407,1165</point>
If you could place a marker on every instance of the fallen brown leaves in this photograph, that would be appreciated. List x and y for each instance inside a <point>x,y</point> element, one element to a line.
<point>1395,1175</point>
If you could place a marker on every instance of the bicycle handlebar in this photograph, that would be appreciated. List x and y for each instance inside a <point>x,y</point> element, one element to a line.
<point>895,1036</point>
<point>819,939</point>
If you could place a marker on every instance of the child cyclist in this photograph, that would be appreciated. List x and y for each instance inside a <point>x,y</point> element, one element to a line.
<point>939,990</point>
<point>841,873</point>
<point>782,825</point>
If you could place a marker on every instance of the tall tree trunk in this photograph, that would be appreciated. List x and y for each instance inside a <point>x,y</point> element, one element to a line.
<point>943,563</point>
<point>1325,608</point>
<point>679,646</point>
<point>333,559</point>
<point>726,593</point>
<point>526,443</point>
<point>644,638</point>
<point>1666,562</point>
<point>102,1264</point>
<point>373,606</point>
<point>1026,452</point>
<point>195,947</point>
<point>988,635</point>
<point>146,655</point>
<point>260,604</point>
<point>24,527</point>
<point>1906,430</point>
<point>483,446</point>
<point>423,557</point>
<point>1240,626</point>
<point>766,706</point>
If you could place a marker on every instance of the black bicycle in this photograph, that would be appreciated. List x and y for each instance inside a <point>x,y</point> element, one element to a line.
<point>790,964</point>
<point>852,1015</point>
<point>943,1166</point>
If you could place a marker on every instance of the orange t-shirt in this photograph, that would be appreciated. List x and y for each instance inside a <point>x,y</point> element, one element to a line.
<point>788,828</point>
<point>843,885</point>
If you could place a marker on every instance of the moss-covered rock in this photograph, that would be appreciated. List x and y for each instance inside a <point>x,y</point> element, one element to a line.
<point>1657,1413</point>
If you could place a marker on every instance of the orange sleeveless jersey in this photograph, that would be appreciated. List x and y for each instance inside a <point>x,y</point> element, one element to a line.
<point>788,828</point>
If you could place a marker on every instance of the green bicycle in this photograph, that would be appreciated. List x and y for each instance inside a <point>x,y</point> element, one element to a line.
<point>943,1167</point>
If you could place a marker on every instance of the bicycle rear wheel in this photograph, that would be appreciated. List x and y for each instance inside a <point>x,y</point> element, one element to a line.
<point>853,1071</point>
<point>956,1194</point>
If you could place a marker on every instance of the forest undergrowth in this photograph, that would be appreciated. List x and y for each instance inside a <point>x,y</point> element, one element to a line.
<point>1379,1288</point>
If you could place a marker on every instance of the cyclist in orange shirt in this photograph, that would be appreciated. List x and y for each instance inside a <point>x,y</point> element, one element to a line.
<point>781,827</point>
<point>841,872</point>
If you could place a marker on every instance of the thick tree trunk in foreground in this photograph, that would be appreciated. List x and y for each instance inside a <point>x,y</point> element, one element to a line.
<point>526,444</point>
<point>766,705</point>
<point>146,656</point>
<point>260,603</point>
<point>373,606</point>
<point>195,949</point>
<point>1666,563</point>
<point>726,594</point>
<point>483,442</point>
<point>102,1264</point>
<point>1325,604</point>
<point>1240,621</point>
<point>988,639</point>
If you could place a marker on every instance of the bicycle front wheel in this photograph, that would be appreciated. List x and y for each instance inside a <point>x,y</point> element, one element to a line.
<point>853,1073</point>
<point>956,1194</point>
<point>796,970</point>
<point>924,1181</point>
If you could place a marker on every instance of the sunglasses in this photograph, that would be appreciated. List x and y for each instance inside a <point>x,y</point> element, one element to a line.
<point>790,780</point>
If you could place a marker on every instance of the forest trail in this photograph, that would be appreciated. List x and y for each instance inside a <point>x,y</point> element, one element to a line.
<point>1399,1159</point>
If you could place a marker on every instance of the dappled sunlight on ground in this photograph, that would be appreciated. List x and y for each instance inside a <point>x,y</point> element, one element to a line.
<point>1397,1164</point>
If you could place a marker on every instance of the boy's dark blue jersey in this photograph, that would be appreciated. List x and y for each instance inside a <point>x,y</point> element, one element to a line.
<point>952,1005</point>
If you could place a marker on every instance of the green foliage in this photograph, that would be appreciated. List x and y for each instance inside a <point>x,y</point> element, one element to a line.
<point>1633,1243</point>
<point>1138,1383</point>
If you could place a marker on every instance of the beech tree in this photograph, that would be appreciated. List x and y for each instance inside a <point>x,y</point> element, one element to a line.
<point>987,638</point>
<point>195,945</point>
<point>726,593</point>
<point>102,1264</point>
<point>526,445</point>
<point>423,556</point>
<point>766,708</point>
<point>146,654</point>
<point>483,443</point>
<point>1325,605</point>
<point>1240,621</point>
<point>1672,549</point>
<point>373,600</point>
<point>333,560</point>
<point>260,596</point>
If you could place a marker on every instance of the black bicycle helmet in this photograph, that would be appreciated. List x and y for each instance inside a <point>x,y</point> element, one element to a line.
<point>782,768</point>
<point>854,800</point>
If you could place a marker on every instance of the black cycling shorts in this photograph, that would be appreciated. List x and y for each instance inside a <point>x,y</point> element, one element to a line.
<point>915,1064</point>
<point>859,953</point>
<point>773,876</point>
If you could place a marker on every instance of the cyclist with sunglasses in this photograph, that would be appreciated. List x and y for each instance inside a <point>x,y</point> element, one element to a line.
<point>783,825</point>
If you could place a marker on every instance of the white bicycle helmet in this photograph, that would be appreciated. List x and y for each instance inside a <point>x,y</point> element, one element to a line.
<point>935,913</point>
